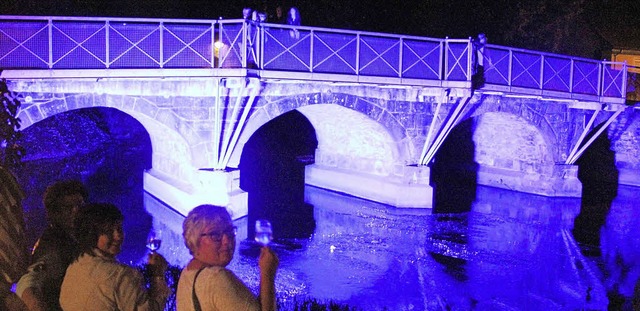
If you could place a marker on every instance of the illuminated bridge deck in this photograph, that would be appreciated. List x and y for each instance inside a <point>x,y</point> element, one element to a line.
<point>34,47</point>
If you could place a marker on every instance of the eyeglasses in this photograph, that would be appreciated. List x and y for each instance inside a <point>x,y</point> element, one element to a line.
<point>216,236</point>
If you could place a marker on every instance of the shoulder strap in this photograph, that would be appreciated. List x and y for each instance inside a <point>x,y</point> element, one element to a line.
<point>194,297</point>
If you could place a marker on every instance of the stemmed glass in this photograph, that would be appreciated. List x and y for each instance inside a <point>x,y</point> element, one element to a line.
<point>153,241</point>
<point>264,233</point>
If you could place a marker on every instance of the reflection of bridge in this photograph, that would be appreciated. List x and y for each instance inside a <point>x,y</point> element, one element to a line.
<point>202,87</point>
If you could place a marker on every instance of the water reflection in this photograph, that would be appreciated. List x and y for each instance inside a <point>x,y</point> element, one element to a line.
<point>511,251</point>
<point>502,250</point>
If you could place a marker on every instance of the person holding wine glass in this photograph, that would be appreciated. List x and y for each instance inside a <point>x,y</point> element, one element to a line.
<point>154,241</point>
<point>205,283</point>
<point>39,288</point>
<point>96,280</point>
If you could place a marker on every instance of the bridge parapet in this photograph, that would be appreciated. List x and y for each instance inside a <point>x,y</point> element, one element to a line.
<point>281,51</point>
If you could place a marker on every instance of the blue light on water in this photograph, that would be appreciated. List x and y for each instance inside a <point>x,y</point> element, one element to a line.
<point>512,251</point>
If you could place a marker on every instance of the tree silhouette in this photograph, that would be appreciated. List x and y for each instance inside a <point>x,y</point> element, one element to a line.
<point>563,27</point>
<point>10,151</point>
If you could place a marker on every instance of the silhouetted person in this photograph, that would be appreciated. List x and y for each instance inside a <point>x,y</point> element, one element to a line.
<point>246,13</point>
<point>293,19</point>
<point>56,247</point>
<point>480,58</point>
<point>279,17</point>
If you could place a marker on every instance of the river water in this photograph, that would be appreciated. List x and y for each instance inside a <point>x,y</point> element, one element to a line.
<point>508,251</point>
<point>512,251</point>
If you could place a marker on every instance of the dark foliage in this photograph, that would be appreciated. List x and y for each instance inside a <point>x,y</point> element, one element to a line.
<point>10,151</point>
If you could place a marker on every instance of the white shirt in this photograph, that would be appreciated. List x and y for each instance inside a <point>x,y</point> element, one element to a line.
<point>217,289</point>
<point>102,283</point>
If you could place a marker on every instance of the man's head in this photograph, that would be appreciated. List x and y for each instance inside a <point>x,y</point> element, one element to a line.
<point>246,13</point>
<point>62,201</point>
<point>482,38</point>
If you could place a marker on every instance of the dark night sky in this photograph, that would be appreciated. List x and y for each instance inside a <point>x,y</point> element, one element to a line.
<point>519,23</point>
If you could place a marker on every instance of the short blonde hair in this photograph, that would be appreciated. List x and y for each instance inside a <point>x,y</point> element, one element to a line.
<point>198,219</point>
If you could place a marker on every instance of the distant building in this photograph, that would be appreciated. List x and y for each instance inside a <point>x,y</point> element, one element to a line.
<point>631,56</point>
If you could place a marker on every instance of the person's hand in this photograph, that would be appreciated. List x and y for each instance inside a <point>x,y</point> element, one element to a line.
<point>159,290</point>
<point>268,262</point>
<point>157,264</point>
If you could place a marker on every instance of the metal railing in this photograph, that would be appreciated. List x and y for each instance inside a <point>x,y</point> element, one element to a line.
<point>110,43</point>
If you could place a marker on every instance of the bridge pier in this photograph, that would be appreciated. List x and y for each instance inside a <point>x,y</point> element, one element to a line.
<point>216,187</point>
<point>408,187</point>
<point>560,180</point>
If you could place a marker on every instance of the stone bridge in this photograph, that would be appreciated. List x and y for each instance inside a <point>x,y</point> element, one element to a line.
<point>377,135</point>
<point>370,137</point>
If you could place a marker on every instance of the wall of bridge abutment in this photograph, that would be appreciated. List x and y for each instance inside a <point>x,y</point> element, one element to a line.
<point>371,137</point>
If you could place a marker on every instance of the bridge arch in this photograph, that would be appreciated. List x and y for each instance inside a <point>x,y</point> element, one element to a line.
<point>367,140</point>
<point>172,153</point>
<point>356,154</point>
<point>511,152</point>
<point>348,137</point>
<point>528,111</point>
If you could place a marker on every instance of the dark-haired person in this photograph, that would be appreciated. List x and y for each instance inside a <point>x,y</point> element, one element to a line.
<point>39,288</point>
<point>96,280</point>
<point>205,283</point>
<point>293,19</point>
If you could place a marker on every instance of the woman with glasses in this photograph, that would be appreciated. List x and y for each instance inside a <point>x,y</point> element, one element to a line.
<point>205,283</point>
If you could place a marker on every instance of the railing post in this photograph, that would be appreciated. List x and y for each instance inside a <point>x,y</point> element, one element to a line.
<point>541,72</point>
<point>446,58</point>
<point>311,51</point>
<point>243,61</point>
<point>106,38</point>
<point>510,69</point>
<point>600,79</point>
<point>50,34</point>
<point>440,61</point>
<point>161,44</point>
<point>400,58</point>
<point>470,56</point>
<point>571,77</point>
<point>213,44</point>
<point>625,73</point>
<point>261,52</point>
<point>358,54</point>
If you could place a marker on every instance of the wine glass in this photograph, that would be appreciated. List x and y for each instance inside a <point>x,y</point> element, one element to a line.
<point>153,241</point>
<point>264,233</point>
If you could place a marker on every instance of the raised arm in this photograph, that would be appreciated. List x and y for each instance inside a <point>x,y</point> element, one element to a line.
<point>268,263</point>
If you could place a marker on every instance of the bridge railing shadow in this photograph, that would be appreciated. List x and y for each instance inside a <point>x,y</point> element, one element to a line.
<point>32,42</point>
